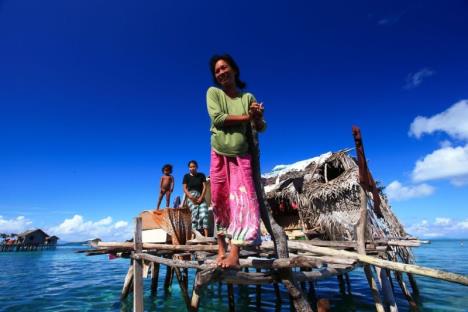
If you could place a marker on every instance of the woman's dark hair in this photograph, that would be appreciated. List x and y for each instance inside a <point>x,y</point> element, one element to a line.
<point>228,59</point>
<point>192,162</point>
<point>169,166</point>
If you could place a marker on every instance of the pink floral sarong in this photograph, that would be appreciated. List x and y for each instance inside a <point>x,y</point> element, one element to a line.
<point>235,204</point>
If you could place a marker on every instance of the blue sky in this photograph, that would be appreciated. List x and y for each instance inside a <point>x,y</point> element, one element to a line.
<point>95,96</point>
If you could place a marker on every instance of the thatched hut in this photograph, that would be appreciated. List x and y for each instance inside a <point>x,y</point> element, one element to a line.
<point>320,197</point>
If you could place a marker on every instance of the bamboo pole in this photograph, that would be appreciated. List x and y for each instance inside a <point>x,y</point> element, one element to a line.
<point>138,270</point>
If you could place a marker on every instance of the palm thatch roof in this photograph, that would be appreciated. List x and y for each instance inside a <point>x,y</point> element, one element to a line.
<point>325,192</point>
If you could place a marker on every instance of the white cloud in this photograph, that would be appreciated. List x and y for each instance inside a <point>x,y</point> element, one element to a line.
<point>463,225</point>
<point>77,229</point>
<point>415,79</point>
<point>453,121</point>
<point>442,221</point>
<point>444,163</point>
<point>397,191</point>
<point>449,161</point>
<point>17,225</point>
<point>120,224</point>
<point>441,227</point>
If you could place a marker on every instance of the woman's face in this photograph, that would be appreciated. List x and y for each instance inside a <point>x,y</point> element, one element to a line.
<point>225,75</point>
<point>193,168</point>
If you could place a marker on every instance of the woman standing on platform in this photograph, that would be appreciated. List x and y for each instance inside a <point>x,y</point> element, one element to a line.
<point>195,189</point>
<point>235,205</point>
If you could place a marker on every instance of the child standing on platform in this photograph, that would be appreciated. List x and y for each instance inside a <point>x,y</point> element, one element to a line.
<point>166,185</point>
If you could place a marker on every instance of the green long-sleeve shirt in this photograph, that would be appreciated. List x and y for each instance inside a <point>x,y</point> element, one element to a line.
<point>228,140</point>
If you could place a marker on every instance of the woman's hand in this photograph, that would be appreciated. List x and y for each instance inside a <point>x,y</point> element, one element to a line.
<point>194,199</point>
<point>199,200</point>
<point>256,110</point>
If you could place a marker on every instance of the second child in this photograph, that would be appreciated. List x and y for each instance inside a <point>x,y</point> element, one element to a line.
<point>166,185</point>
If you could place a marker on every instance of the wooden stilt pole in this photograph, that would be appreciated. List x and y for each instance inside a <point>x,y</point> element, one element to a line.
<point>406,292</point>
<point>365,182</point>
<point>154,279</point>
<point>348,283</point>
<point>258,292</point>
<point>277,292</point>
<point>413,284</point>
<point>386,289</point>
<point>183,288</point>
<point>390,279</point>
<point>168,278</point>
<point>138,270</point>
<point>232,306</point>
<point>361,239</point>
<point>341,284</point>
<point>128,282</point>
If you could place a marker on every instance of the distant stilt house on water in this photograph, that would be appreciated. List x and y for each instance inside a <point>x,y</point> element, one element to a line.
<point>30,240</point>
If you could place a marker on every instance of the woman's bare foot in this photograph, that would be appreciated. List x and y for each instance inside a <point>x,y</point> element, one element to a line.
<point>221,249</point>
<point>232,260</point>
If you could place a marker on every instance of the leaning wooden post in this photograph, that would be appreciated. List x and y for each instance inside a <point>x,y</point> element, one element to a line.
<point>274,229</point>
<point>128,282</point>
<point>201,279</point>
<point>138,269</point>
<point>362,222</point>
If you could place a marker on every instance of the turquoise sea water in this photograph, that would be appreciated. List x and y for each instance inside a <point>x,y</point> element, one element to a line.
<point>62,280</point>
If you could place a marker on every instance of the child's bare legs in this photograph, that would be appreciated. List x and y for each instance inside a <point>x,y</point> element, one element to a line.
<point>232,260</point>
<point>221,249</point>
<point>161,194</point>
<point>205,231</point>
<point>168,198</point>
